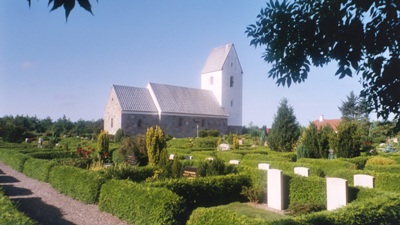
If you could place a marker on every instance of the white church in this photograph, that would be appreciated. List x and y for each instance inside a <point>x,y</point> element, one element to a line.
<point>183,111</point>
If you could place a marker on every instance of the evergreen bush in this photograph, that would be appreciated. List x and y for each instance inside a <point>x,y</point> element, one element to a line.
<point>38,168</point>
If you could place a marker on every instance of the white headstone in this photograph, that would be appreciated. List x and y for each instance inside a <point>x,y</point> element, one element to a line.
<point>171,157</point>
<point>264,166</point>
<point>235,162</point>
<point>210,158</point>
<point>302,171</point>
<point>277,194</point>
<point>363,180</point>
<point>336,192</point>
<point>223,147</point>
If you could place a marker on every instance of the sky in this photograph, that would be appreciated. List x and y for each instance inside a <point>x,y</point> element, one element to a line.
<point>53,67</point>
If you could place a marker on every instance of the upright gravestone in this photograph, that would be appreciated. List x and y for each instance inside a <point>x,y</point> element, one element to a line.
<point>364,180</point>
<point>336,192</point>
<point>234,162</point>
<point>278,190</point>
<point>264,166</point>
<point>302,171</point>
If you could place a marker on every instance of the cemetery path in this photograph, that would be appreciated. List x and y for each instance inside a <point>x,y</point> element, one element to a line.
<point>41,202</point>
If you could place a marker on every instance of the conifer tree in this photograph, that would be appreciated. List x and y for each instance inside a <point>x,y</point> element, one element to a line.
<point>155,143</point>
<point>103,142</point>
<point>347,141</point>
<point>285,129</point>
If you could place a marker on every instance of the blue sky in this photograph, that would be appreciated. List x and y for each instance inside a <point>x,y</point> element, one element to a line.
<point>50,67</point>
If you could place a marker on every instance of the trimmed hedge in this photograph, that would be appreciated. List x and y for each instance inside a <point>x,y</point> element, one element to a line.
<point>140,204</point>
<point>307,190</point>
<point>124,171</point>
<point>14,159</point>
<point>53,155</point>
<point>77,183</point>
<point>329,167</point>
<point>208,191</point>
<point>38,168</point>
<point>379,168</point>
<point>9,213</point>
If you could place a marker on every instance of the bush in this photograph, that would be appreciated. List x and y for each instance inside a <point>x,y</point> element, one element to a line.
<point>139,204</point>
<point>124,171</point>
<point>379,160</point>
<point>14,159</point>
<point>10,214</point>
<point>208,191</point>
<point>380,168</point>
<point>38,168</point>
<point>77,183</point>
<point>53,155</point>
<point>208,142</point>
<point>307,193</point>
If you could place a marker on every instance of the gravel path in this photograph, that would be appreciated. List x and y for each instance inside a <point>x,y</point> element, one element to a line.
<point>44,204</point>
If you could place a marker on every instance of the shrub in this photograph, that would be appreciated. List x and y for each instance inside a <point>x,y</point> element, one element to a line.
<point>119,135</point>
<point>38,168</point>
<point>155,143</point>
<point>208,191</point>
<point>103,143</point>
<point>380,168</point>
<point>77,183</point>
<point>124,171</point>
<point>14,159</point>
<point>133,150</point>
<point>379,160</point>
<point>139,204</point>
<point>10,214</point>
<point>208,142</point>
<point>52,155</point>
<point>307,193</point>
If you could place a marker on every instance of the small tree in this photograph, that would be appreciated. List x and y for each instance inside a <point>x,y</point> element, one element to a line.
<point>235,141</point>
<point>103,141</point>
<point>309,140</point>
<point>155,143</point>
<point>347,141</point>
<point>324,135</point>
<point>285,129</point>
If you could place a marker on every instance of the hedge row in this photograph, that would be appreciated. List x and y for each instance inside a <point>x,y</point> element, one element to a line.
<point>77,183</point>
<point>329,167</point>
<point>208,191</point>
<point>53,154</point>
<point>14,159</point>
<point>9,213</point>
<point>379,168</point>
<point>382,209</point>
<point>307,190</point>
<point>38,168</point>
<point>140,204</point>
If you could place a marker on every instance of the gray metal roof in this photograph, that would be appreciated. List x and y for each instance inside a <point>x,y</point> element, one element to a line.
<point>216,58</point>
<point>135,99</point>
<point>183,100</point>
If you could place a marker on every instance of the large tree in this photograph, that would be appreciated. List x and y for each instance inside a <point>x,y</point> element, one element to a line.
<point>285,129</point>
<point>362,36</point>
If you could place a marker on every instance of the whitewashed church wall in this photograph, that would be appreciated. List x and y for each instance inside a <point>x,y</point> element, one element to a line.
<point>112,115</point>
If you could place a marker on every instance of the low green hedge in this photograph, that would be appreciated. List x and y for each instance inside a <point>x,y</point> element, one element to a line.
<point>307,190</point>
<point>14,159</point>
<point>38,168</point>
<point>53,155</point>
<point>329,167</point>
<point>124,171</point>
<point>77,183</point>
<point>208,191</point>
<point>140,204</point>
<point>9,213</point>
<point>395,169</point>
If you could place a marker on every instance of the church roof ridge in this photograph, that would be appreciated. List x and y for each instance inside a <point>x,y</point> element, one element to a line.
<point>217,57</point>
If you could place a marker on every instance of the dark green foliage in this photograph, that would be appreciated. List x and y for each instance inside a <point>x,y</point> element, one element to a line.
<point>176,168</point>
<point>208,142</point>
<point>208,133</point>
<point>133,150</point>
<point>139,204</point>
<point>38,168</point>
<point>53,155</point>
<point>103,144</point>
<point>214,167</point>
<point>125,171</point>
<point>82,163</point>
<point>208,191</point>
<point>309,141</point>
<point>77,183</point>
<point>361,36</point>
<point>307,190</point>
<point>358,161</point>
<point>285,129</point>
<point>119,135</point>
<point>258,179</point>
<point>9,213</point>
<point>347,141</point>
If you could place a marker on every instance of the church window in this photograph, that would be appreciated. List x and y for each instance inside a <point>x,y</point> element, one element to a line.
<point>112,122</point>
<point>211,80</point>
<point>231,103</point>
<point>180,122</point>
<point>231,81</point>
<point>139,123</point>
<point>231,64</point>
<point>203,122</point>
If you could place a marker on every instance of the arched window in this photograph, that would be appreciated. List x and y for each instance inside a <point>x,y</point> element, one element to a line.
<point>139,123</point>
<point>180,122</point>
<point>112,122</point>
<point>231,103</point>
<point>231,81</point>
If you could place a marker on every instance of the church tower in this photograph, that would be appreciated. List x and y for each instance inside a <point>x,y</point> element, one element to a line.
<point>223,75</point>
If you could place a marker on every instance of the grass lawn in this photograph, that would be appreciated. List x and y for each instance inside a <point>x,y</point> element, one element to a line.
<point>254,212</point>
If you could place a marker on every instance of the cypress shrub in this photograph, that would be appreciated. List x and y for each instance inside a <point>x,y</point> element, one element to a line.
<point>77,183</point>
<point>139,204</point>
<point>38,168</point>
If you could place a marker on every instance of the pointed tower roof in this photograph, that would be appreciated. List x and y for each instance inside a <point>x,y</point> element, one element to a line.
<point>217,57</point>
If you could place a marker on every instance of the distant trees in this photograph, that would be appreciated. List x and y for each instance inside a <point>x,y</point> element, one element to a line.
<point>354,108</point>
<point>314,142</point>
<point>285,129</point>
<point>17,128</point>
